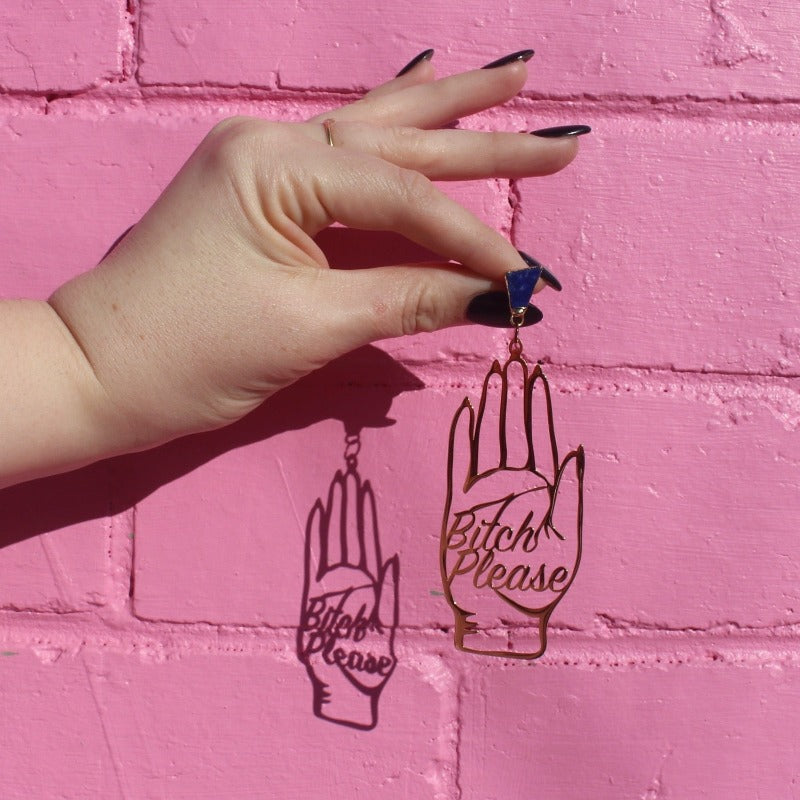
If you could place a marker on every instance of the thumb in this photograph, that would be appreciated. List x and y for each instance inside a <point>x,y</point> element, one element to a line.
<point>357,307</point>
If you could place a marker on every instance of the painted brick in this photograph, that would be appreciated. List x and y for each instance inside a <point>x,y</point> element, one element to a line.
<point>680,476</point>
<point>54,46</point>
<point>257,499</point>
<point>691,47</point>
<point>65,545</point>
<point>532,731</point>
<point>231,726</point>
<point>87,180</point>
<point>235,44</point>
<point>675,241</point>
<point>687,491</point>
<point>64,570</point>
<point>674,245</point>
<point>61,571</point>
<point>51,709</point>
<point>230,533</point>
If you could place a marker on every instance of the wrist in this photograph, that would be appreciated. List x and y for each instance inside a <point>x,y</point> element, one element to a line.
<point>108,428</point>
<point>134,405</point>
<point>54,411</point>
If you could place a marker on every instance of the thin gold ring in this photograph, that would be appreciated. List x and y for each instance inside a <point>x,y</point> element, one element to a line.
<point>328,132</point>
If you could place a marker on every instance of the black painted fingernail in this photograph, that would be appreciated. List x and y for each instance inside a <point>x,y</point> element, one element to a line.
<point>425,55</point>
<point>546,276</point>
<point>491,308</point>
<point>550,279</point>
<point>520,55</point>
<point>562,130</point>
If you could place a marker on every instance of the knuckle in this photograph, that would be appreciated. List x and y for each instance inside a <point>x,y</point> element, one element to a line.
<point>233,139</point>
<point>414,187</point>
<point>232,130</point>
<point>497,145</point>
<point>405,145</point>
<point>422,311</point>
<point>228,123</point>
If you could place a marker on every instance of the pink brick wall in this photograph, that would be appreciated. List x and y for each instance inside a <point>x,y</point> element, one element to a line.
<point>149,605</point>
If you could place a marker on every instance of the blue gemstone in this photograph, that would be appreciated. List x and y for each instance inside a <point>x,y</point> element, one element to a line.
<point>520,283</point>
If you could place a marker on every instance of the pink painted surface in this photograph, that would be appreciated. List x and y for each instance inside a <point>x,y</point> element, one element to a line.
<point>149,606</point>
<point>60,571</point>
<point>653,531</point>
<point>685,212</point>
<point>678,732</point>
<point>211,724</point>
<point>51,46</point>
<point>616,47</point>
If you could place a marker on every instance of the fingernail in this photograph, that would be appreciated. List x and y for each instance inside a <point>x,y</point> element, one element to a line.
<point>520,55</point>
<point>425,55</point>
<point>491,308</point>
<point>546,276</point>
<point>562,130</point>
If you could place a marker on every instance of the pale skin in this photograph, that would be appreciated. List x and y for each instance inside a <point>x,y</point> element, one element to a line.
<point>219,297</point>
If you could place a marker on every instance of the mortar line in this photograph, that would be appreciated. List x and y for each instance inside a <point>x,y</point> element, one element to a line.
<point>610,104</point>
<point>459,735</point>
<point>132,559</point>
<point>599,372</point>
<point>119,565</point>
<point>84,624</point>
<point>622,656</point>
<point>134,12</point>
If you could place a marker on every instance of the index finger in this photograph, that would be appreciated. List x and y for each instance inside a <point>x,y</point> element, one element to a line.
<point>368,193</point>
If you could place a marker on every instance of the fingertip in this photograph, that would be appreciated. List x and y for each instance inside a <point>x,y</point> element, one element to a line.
<point>418,71</point>
<point>513,78</point>
<point>557,154</point>
<point>386,302</point>
<point>570,148</point>
<point>413,74</point>
<point>417,62</point>
<point>508,80</point>
<point>561,142</point>
<point>422,73</point>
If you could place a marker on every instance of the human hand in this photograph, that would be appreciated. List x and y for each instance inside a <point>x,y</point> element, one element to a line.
<point>349,608</point>
<point>219,296</point>
<point>511,535</point>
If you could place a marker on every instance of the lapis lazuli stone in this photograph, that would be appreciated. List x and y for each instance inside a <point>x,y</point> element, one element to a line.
<point>519,284</point>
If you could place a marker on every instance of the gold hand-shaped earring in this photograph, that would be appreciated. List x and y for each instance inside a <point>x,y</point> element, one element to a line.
<point>511,533</point>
